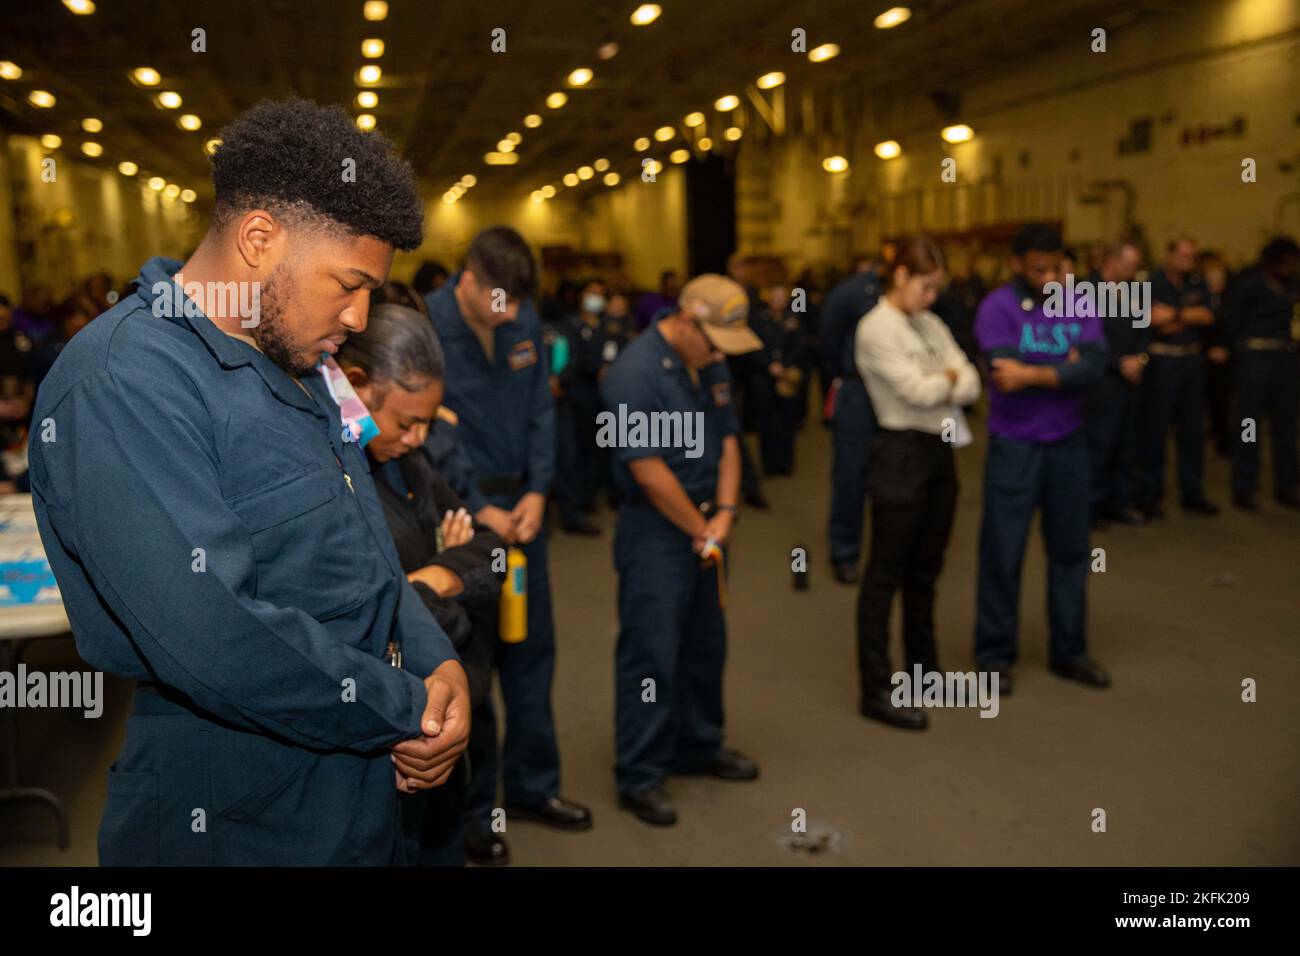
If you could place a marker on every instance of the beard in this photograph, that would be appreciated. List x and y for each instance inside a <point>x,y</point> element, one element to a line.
<point>272,333</point>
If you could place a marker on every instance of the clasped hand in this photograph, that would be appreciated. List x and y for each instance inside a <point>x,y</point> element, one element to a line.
<point>427,761</point>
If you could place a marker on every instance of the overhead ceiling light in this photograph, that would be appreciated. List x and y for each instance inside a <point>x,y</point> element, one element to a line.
<point>156,183</point>
<point>694,119</point>
<point>10,70</point>
<point>469,180</point>
<point>724,104</point>
<point>642,144</point>
<point>827,51</point>
<point>646,14</point>
<point>679,156</point>
<point>505,146</point>
<point>654,167</point>
<point>611,179</point>
<point>372,49</point>
<point>705,143</point>
<point>888,149</point>
<point>607,50</point>
<point>665,133</point>
<point>374,10</point>
<point>366,121</point>
<point>601,165</point>
<point>532,121</point>
<point>188,195</point>
<point>145,76</point>
<point>580,77</point>
<point>51,140</point>
<point>515,138</point>
<point>732,133</point>
<point>536,196</point>
<point>958,133</point>
<point>548,191</point>
<point>893,17</point>
<point>501,159</point>
<point>168,99</point>
<point>367,99</point>
<point>556,100</point>
<point>211,145</point>
<point>190,122</point>
<point>835,164</point>
<point>42,99</point>
<point>585,172</point>
<point>83,8</point>
<point>770,81</point>
<point>171,191</point>
<point>448,198</point>
<point>92,125</point>
<point>369,74</point>
<point>571,179</point>
<point>457,190</point>
<point>127,168</point>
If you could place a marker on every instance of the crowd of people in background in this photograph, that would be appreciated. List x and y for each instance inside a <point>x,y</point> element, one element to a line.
<point>805,324</point>
<point>1220,349</point>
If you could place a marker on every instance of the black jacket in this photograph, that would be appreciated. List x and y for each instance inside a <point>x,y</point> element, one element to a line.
<point>415,497</point>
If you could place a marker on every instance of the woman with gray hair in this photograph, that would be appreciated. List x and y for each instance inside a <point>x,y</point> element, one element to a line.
<point>396,369</point>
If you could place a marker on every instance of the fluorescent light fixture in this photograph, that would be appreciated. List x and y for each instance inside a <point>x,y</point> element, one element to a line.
<point>892,18</point>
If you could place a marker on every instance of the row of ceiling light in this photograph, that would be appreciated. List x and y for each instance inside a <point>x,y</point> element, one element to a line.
<point>369,74</point>
<point>890,149</point>
<point>142,76</point>
<point>727,103</point>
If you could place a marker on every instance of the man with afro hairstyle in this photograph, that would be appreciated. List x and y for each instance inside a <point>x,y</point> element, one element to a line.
<point>207,510</point>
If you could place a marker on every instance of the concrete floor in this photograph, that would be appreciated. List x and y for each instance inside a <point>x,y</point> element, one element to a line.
<point>1186,772</point>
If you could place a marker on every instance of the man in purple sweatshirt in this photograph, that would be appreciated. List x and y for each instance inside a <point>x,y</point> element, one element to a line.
<point>1041,367</point>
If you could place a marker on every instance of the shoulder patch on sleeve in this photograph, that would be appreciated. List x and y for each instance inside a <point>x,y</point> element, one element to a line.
<point>522,355</point>
<point>721,394</point>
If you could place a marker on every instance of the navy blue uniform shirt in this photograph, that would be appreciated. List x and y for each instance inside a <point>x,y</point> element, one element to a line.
<point>649,377</point>
<point>506,412</point>
<point>211,533</point>
<point>1121,338</point>
<point>1257,309</point>
<point>1191,293</point>
<point>845,306</point>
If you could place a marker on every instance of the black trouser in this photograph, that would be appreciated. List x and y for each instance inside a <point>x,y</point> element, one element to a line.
<point>1268,384</point>
<point>912,482</point>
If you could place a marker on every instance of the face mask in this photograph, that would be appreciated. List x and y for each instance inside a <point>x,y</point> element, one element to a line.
<point>593,302</point>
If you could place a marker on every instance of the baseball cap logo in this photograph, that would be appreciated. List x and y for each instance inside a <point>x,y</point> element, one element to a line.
<point>734,309</point>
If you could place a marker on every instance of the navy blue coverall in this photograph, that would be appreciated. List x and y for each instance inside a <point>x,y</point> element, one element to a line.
<point>507,427</point>
<point>854,421</point>
<point>1264,329</point>
<point>215,539</point>
<point>672,629</point>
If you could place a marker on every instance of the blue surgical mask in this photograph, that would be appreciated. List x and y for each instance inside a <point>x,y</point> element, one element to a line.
<point>593,302</point>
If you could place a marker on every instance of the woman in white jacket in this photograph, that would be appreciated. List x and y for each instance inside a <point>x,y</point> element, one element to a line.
<point>918,379</point>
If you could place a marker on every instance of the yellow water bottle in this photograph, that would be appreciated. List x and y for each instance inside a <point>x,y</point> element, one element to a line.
<point>514,598</point>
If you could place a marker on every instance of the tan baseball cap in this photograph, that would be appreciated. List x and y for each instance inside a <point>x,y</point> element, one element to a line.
<point>721,306</point>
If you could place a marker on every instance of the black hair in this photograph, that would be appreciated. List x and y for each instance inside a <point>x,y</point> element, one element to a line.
<point>292,157</point>
<point>1037,237</point>
<point>427,276</point>
<point>393,292</point>
<point>398,346</point>
<point>1277,251</point>
<point>500,259</point>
